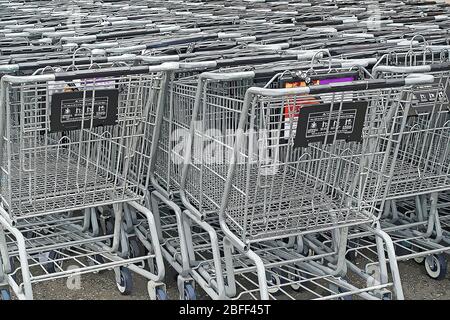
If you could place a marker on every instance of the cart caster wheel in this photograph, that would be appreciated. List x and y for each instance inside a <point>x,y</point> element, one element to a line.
<point>352,252</point>
<point>156,291</point>
<point>308,252</point>
<point>97,259</point>
<point>51,266</point>
<point>136,249</point>
<point>273,281</point>
<point>161,294</point>
<point>419,260</point>
<point>348,297</point>
<point>297,287</point>
<point>386,295</point>
<point>125,285</point>
<point>109,226</point>
<point>402,248</point>
<point>436,266</point>
<point>189,292</point>
<point>5,295</point>
<point>338,290</point>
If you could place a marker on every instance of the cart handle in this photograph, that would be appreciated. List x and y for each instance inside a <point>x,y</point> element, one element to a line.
<point>413,69</point>
<point>413,79</point>
<point>154,60</point>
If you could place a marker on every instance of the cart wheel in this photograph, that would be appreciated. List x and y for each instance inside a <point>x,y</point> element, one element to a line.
<point>386,295</point>
<point>98,260</point>
<point>419,260</point>
<point>436,266</point>
<point>308,252</point>
<point>343,290</point>
<point>109,226</point>
<point>126,282</point>
<point>352,251</point>
<point>136,248</point>
<point>161,294</point>
<point>297,287</point>
<point>189,292</point>
<point>51,266</point>
<point>337,290</point>
<point>402,247</point>
<point>5,295</point>
<point>274,280</point>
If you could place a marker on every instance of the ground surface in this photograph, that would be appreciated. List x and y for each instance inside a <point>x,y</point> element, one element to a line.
<point>416,284</point>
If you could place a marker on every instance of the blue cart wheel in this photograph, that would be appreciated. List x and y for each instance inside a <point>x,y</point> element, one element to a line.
<point>125,285</point>
<point>51,266</point>
<point>436,266</point>
<point>161,294</point>
<point>109,230</point>
<point>403,248</point>
<point>96,260</point>
<point>348,297</point>
<point>5,295</point>
<point>189,292</point>
<point>136,248</point>
<point>273,281</point>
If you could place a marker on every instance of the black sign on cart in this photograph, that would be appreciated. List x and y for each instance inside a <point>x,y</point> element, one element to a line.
<point>426,101</point>
<point>327,123</point>
<point>70,109</point>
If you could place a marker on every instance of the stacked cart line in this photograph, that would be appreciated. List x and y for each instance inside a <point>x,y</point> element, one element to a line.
<point>261,149</point>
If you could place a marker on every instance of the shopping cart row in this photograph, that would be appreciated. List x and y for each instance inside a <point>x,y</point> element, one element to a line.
<point>282,150</point>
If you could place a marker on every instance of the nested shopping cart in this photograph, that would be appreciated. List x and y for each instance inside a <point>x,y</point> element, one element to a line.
<point>171,137</point>
<point>423,167</point>
<point>412,215</point>
<point>247,219</point>
<point>75,141</point>
<point>172,125</point>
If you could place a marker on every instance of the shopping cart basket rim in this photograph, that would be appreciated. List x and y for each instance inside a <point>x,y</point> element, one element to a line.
<point>412,79</point>
<point>435,67</point>
<point>107,72</point>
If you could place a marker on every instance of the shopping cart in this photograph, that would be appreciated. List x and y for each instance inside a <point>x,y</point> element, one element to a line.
<point>203,183</point>
<point>74,141</point>
<point>412,214</point>
<point>421,169</point>
<point>165,171</point>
